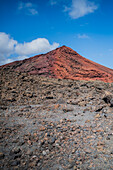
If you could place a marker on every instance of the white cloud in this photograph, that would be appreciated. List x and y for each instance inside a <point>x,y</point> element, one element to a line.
<point>83,36</point>
<point>80,8</point>
<point>33,11</point>
<point>28,4</point>
<point>53,2</point>
<point>29,8</point>
<point>5,60</point>
<point>38,45</point>
<point>11,50</point>
<point>7,44</point>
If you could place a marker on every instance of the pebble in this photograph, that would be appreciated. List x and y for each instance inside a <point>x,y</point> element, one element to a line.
<point>15,163</point>
<point>44,153</point>
<point>52,140</point>
<point>15,151</point>
<point>107,138</point>
<point>2,155</point>
<point>112,152</point>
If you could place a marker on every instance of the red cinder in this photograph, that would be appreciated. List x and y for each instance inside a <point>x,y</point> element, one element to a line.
<point>62,63</point>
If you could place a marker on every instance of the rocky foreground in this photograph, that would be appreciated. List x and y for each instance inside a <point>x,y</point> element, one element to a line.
<point>55,124</point>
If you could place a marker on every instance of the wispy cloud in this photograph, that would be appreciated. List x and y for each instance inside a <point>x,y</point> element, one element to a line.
<point>29,8</point>
<point>53,2</point>
<point>60,3</point>
<point>83,36</point>
<point>80,8</point>
<point>10,47</point>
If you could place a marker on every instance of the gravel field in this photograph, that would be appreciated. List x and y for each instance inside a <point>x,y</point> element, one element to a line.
<point>53,124</point>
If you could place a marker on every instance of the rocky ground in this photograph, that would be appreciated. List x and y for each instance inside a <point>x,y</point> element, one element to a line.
<point>55,124</point>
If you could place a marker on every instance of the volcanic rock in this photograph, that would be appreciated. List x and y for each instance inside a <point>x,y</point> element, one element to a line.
<point>54,123</point>
<point>61,63</point>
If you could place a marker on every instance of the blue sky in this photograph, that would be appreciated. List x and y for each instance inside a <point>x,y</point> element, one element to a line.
<point>30,27</point>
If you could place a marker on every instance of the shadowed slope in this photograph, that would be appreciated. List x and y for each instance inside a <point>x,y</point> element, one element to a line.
<point>63,63</point>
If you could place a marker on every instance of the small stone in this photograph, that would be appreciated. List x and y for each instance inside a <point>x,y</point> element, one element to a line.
<point>42,128</point>
<point>108,138</point>
<point>47,151</point>
<point>52,140</point>
<point>33,157</point>
<point>75,167</point>
<point>87,121</point>
<point>71,164</point>
<point>35,134</point>
<point>21,143</point>
<point>44,153</point>
<point>29,152</point>
<point>15,150</point>
<point>47,134</point>
<point>15,163</point>
<point>57,145</point>
<point>33,164</point>
<point>39,164</point>
<point>112,152</point>
<point>107,98</point>
<point>73,151</point>
<point>1,155</point>
<point>42,142</point>
<point>105,115</point>
<point>67,110</point>
<point>15,140</point>
<point>100,143</point>
<point>29,142</point>
<point>88,151</point>
<point>17,156</point>
<point>49,97</point>
<point>97,116</point>
<point>61,121</point>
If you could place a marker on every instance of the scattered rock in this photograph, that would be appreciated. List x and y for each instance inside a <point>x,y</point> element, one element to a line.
<point>39,133</point>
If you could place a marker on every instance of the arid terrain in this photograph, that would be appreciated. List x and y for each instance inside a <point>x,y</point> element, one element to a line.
<point>55,124</point>
<point>62,63</point>
<point>51,118</point>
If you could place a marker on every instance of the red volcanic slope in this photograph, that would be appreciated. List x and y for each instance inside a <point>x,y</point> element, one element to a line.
<point>62,63</point>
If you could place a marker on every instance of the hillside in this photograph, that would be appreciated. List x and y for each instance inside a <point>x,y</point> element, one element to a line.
<point>62,63</point>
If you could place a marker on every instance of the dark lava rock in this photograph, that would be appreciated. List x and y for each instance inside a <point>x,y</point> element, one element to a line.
<point>111,102</point>
<point>2,155</point>
<point>52,140</point>
<point>15,151</point>
<point>15,163</point>
<point>107,99</point>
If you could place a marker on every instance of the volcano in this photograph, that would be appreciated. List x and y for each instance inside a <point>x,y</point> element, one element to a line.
<point>62,63</point>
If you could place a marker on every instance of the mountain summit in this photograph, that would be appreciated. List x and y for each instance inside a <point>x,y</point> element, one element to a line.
<point>62,63</point>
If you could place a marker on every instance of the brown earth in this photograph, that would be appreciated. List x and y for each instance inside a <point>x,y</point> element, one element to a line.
<point>62,63</point>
